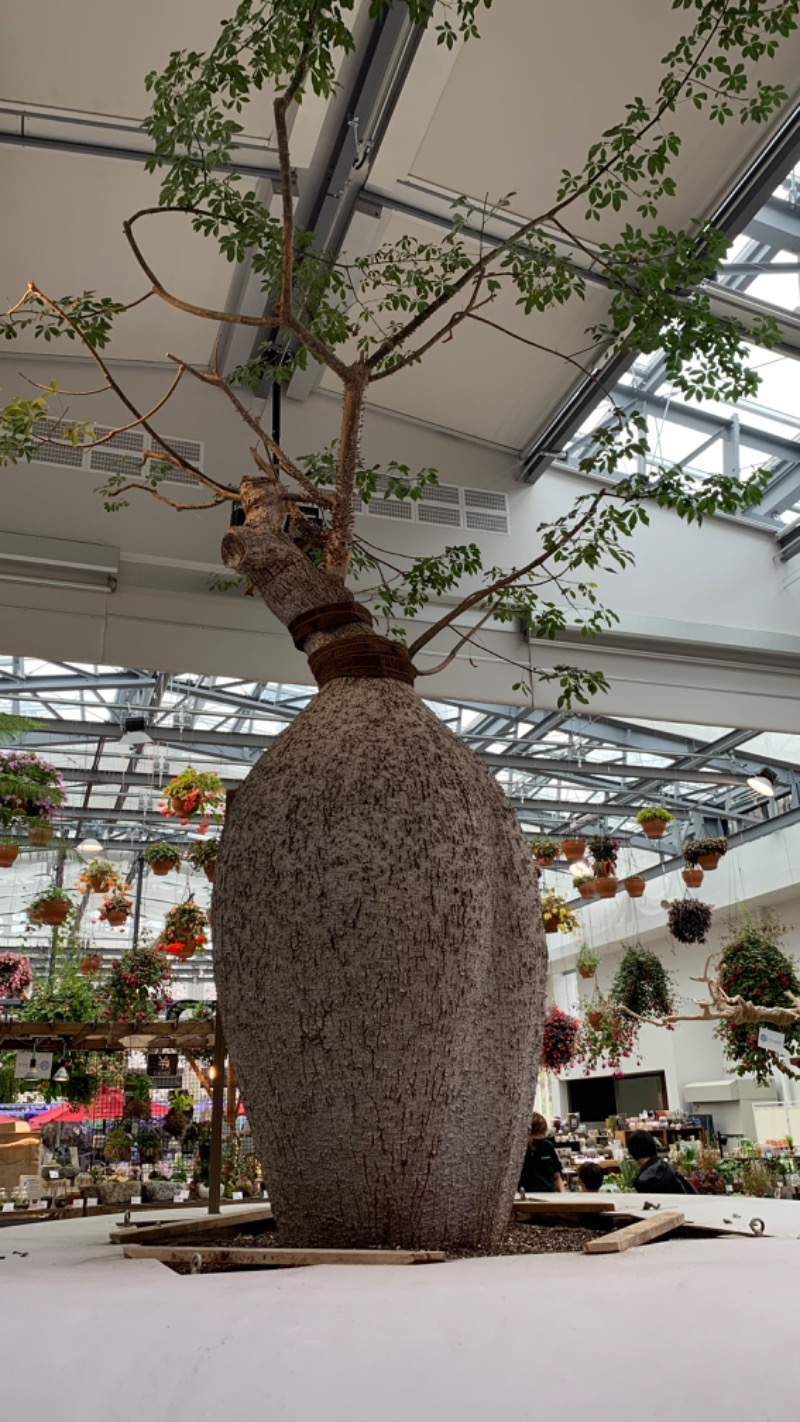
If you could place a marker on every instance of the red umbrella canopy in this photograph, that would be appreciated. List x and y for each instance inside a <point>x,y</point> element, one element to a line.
<point>108,1105</point>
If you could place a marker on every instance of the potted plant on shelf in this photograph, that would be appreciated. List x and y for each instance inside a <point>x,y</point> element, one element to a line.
<point>15,975</point>
<point>588,961</point>
<point>184,930</point>
<point>573,848</point>
<point>161,857</point>
<point>194,792</point>
<point>705,852</point>
<point>545,851</point>
<point>559,1041</point>
<point>116,907</point>
<point>52,907</point>
<point>634,886</point>
<point>654,820</point>
<point>202,855</point>
<point>689,920</point>
<point>585,885</point>
<point>604,851</point>
<point>98,877</point>
<point>558,917</point>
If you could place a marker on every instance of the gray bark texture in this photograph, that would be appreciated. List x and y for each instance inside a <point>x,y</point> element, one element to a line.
<point>380,964</point>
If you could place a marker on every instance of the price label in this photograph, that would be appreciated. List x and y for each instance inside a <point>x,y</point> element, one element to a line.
<point>7,1209</point>
<point>136,1199</point>
<point>237,1195</point>
<point>92,1202</point>
<point>53,1174</point>
<point>77,1204</point>
<point>771,1040</point>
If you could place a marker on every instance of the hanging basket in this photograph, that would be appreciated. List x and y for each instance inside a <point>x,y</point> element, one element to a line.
<point>654,829</point>
<point>161,867</point>
<point>595,1018</point>
<point>52,914</point>
<point>209,870</point>
<point>8,853</point>
<point>708,861</point>
<point>116,917</point>
<point>90,964</point>
<point>692,878</point>
<point>587,891</point>
<point>551,925</point>
<point>183,805</point>
<point>40,835</point>
<point>98,883</point>
<point>573,849</point>
<point>585,971</point>
<point>606,885</point>
<point>634,886</point>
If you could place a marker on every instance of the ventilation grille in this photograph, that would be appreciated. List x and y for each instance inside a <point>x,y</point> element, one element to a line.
<point>121,454</point>
<point>447,506</point>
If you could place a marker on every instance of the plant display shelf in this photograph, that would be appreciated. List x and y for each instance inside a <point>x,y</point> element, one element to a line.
<point>664,1133</point>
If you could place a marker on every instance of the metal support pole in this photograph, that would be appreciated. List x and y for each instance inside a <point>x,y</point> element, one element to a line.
<point>137,904</point>
<point>217,1105</point>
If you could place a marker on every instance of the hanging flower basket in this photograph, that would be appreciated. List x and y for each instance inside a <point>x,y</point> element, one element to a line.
<point>754,967</point>
<point>30,790</point>
<point>642,984</point>
<point>653,820</point>
<point>689,920</point>
<point>604,851</point>
<point>705,852</point>
<point>586,886</point>
<point>15,974</point>
<point>692,878</point>
<point>40,835</point>
<point>558,918</point>
<point>99,876</point>
<point>594,1017</point>
<point>606,885</point>
<point>51,908</point>
<point>573,849</point>
<point>184,930</point>
<point>559,1041</point>
<point>116,908</point>
<point>194,792</point>
<point>8,854</point>
<point>162,857</point>
<point>203,854</point>
<point>545,851</point>
<point>634,886</point>
<point>90,964</point>
<point>588,961</point>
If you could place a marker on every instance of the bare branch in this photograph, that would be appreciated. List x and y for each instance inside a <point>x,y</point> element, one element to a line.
<point>181,508</point>
<point>467,637</point>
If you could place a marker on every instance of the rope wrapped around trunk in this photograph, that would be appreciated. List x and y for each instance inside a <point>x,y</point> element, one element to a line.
<point>370,656</point>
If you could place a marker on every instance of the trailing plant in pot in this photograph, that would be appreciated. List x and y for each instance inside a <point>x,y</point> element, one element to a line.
<point>202,855</point>
<point>368,802</point>
<point>588,961</point>
<point>135,989</point>
<point>559,1041</point>
<point>545,851</point>
<point>642,984</point>
<point>99,876</point>
<point>557,915</point>
<point>30,791</point>
<point>184,930</point>
<point>654,820</point>
<point>689,920</point>
<point>116,908</point>
<point>754,967</point>
<point>604,851</point>
<point>704,852</point>
<point>161,857</point>
<point>194,792</point>
<point>15,974</point>
<point>607,1039</point>
<point>51,907</point>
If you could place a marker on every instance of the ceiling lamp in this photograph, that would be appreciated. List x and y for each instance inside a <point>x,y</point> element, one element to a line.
<point>61,1075</point>
<point>764,783</point>
<point>579,868</point>
<point>89,848</point>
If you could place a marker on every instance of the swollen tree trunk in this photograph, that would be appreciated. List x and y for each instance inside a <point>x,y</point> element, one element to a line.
<point>380,964</point>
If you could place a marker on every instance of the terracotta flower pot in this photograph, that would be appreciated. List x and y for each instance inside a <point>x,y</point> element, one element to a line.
<point>634,886</point>
<point>654,829</point>
<point>708,861</point>
<point>606,886</point>
<point>53,914</point>
<point>161,866</point>
<point>90,964</point>
<point>587,891</point>
<point>99,883</point>
<point>182,806</point>
<point>187,951</point>
<point>594,1018</point>
<point>585,971</point>
<point>692,877</point>
<point>116,917</point>
<point>572,849</point>
<point>551,925</point>
<point>8,853</point>
<point>210,869</point>
<point>41,835</point>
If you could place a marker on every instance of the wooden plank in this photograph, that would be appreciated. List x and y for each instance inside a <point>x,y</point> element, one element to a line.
<point>230,1222</point>
<point>635,1234</point>
<point>282,1258</point>
<point>561,1205</point>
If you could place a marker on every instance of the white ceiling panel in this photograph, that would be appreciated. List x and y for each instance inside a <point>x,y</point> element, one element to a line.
<point>62,228</point>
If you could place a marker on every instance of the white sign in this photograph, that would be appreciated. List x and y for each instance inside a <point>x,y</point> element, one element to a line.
<point>136,1199</point>
<point>237,1195</point>
<point>33,1066</point>
<point>7,1208</point>
<point>91,1202</point>
<point>772,1041</point>
<point>77,1204</point>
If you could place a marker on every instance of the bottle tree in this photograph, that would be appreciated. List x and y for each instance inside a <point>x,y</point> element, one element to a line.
<point>379,951</point>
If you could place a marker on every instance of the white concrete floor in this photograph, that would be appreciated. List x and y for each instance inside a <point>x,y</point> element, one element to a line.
<point>702,1329</point>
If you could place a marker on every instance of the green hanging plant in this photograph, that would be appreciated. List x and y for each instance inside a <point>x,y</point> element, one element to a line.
<point>642,984</point>
<point>752,966</point>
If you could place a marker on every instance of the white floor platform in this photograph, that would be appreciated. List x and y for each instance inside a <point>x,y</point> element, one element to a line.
<point>687,1328</point>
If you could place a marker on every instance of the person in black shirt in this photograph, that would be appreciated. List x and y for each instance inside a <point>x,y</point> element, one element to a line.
<point>541,1168</point>
<point>656,1176</point>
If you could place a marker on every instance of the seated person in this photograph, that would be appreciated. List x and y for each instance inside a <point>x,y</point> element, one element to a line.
<point>541,1168</point>
<point>656,1176</point>
<point>590,1177</point>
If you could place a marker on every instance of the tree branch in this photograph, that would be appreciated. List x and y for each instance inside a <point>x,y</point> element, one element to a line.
<point>181,508</point>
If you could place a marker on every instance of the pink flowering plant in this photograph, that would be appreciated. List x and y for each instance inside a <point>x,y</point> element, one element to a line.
<point>15,974</point>
<point>136,987</point>
<point>559,1041</point>
<point>608,1039</point>
<point>30,790</point>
